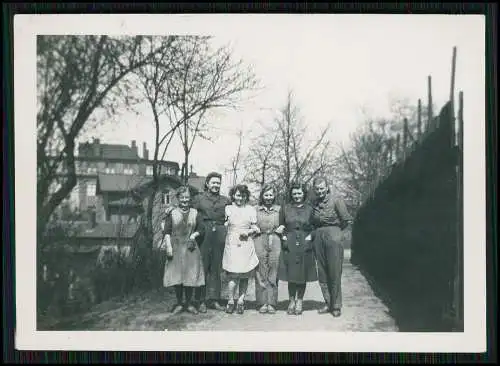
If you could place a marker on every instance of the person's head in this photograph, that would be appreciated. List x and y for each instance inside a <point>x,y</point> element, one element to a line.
<point>321,187</point>
<point>213,182</point>
<point>240,194</point>
<point>297,193</point>
<point>267,195</point>
<point>183,195</point>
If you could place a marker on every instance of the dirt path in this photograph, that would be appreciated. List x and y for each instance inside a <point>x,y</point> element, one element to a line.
<point>363,311</point>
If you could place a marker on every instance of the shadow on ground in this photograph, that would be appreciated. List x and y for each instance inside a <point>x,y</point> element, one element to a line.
<point>409,316</point>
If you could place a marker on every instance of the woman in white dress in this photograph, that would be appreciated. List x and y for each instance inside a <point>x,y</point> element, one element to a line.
<point>240,259</point>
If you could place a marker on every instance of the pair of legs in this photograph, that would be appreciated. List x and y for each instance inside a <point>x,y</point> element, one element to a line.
<point>296,293</point>
<point>330,257</point>
<point>243,287</point>
<point>184,293</point>
<point>212,251</point>
<point>268,249</point>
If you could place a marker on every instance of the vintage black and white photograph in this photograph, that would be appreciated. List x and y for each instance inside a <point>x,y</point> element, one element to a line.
<point>246,175</point>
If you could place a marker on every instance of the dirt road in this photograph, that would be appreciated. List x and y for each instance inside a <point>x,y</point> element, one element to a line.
<point>362,311</point>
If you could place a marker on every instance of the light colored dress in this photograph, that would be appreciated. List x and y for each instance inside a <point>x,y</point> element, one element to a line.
<point>239,255</point>
<point>185,267</point>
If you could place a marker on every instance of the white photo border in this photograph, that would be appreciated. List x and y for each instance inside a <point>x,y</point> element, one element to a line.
<point>27,27</point>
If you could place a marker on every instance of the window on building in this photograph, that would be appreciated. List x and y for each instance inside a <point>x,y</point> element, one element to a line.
<point>128,169</point>
<point>91,189</point>
<point>165,198</point>
<point>110,170</point>
<point>91,170</point>
<point>149,170</point>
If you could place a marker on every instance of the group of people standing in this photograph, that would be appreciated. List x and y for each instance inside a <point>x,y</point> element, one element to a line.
<point>212,236</point>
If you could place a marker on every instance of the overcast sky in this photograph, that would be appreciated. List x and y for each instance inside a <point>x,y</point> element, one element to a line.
<point>337,65</point>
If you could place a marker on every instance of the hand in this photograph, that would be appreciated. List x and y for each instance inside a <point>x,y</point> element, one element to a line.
<point>193,236</point>
<point>284,245</point>
<point>170,253</point>
<point>191,245</point>
<point>279,230</point>
<point>308,238</point>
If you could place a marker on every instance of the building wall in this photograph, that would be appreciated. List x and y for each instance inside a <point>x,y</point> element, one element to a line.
<point>91,167</point>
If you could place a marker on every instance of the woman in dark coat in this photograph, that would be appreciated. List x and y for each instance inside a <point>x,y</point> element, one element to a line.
<point>297,263</point>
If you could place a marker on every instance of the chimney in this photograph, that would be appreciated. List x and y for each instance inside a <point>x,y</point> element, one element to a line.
<point>97,148</point>
<point>134,147</point>
<point>145,152</point>
<point>191,173</point>
<point>92,219</point>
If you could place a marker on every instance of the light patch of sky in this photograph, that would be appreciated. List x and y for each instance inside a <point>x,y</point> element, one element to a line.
<point>338,66</point>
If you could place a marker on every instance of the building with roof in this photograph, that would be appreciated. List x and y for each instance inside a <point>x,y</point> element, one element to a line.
<point>117,162</point>
<point>108,175</point>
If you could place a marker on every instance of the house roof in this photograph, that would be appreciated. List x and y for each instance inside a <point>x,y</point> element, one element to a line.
<point>108,151</point>
<point>119,182</point>
<point>113,151</point>
<point>126,201</point>
<point>174,181</point>
<point>109,231</point>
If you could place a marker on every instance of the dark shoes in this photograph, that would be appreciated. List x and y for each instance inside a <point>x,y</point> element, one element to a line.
<point>240,308</point>
<point>230,308</point>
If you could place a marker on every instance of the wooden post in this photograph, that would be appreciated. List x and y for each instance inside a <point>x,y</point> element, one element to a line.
<point>405,137</point>
<point>419,119</point>
<point>452,94</point>
<point>453,66</point>
<point>429,102</point>
<point>458,287</point>
<point>398,142</point>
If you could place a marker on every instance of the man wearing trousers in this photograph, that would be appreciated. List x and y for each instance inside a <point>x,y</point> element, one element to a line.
<point>329,218</point>
<point>211,205</point>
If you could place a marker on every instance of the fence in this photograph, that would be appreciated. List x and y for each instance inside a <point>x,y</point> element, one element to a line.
<point>407,235</point>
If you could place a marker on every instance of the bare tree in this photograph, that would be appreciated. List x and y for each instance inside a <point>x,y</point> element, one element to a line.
<point>206,79</point>
<point>281,154</point>
<point>185,81</point>
<point>236,160</point>
<point>76,76</point>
